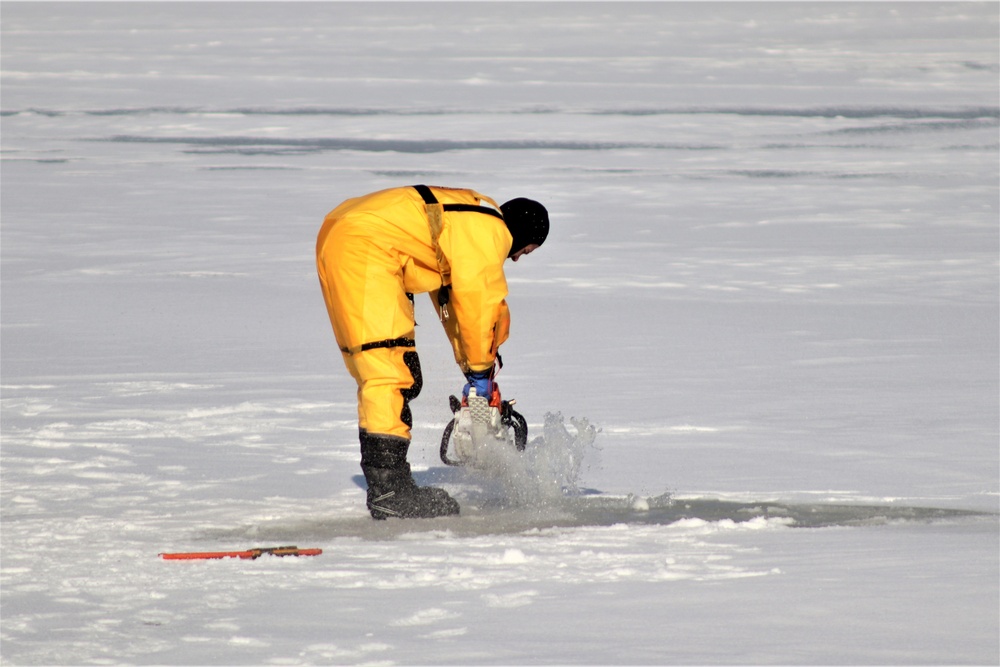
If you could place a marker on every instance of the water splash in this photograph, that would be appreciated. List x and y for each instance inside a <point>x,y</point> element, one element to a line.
<point>546,471</point>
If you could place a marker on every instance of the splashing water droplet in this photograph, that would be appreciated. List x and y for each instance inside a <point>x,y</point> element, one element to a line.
<point>545,472</point>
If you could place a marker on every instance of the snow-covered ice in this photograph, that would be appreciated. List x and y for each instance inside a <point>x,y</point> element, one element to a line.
<point>772,281</point>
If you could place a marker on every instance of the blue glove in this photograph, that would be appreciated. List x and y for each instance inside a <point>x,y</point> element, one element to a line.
<point>483,383</point>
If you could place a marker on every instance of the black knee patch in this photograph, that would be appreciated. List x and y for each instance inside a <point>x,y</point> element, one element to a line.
<point>412,362</point>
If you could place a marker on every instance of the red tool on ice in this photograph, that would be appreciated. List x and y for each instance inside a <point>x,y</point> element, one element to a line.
<point>248,554</point>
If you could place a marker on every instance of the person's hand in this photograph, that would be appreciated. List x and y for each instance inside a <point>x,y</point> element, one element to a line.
<point>484,385</point>
<point>482,381</point>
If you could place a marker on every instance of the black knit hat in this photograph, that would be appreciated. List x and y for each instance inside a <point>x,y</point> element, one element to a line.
<point>527,221</point>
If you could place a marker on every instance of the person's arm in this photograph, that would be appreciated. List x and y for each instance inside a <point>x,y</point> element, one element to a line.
<point>476,246</point>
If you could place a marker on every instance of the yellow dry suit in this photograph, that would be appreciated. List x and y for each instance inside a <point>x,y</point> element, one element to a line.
<point>374,252</point>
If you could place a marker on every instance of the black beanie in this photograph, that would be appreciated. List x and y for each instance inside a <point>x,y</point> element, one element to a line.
<point>527,221</point>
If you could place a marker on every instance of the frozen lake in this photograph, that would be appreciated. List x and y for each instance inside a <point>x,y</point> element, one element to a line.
<point>771,282</point>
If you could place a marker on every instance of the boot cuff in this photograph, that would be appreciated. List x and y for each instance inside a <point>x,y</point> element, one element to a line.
<point>383,451</point>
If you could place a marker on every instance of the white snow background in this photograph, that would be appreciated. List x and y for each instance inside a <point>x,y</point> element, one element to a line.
<point>772,277</point>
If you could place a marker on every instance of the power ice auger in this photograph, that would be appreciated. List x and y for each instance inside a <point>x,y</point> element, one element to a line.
<point>478,426</point>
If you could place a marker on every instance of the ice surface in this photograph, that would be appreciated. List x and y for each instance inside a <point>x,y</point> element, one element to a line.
<point>772,282</point>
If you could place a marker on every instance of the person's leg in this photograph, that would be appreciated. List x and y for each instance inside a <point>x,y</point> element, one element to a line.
<point>372,318</point>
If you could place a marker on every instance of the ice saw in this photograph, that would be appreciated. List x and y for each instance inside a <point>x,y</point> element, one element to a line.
<point>478,427</point>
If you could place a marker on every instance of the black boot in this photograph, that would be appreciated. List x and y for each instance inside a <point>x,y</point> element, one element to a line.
<point>391,489</point>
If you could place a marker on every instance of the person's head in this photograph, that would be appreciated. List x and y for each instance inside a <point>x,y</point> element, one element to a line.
<point>528,224</point>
